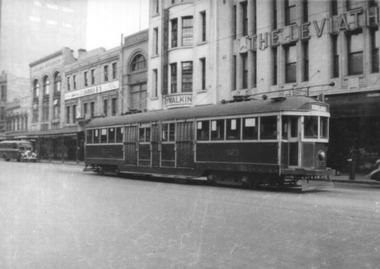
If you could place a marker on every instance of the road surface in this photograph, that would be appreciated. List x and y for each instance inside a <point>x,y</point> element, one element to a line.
<point>56,216</point>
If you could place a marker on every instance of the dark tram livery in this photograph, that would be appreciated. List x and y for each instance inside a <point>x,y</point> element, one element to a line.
<point>273,141</point>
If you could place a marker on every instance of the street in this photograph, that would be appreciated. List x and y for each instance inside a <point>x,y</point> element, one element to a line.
<point>56,216</point>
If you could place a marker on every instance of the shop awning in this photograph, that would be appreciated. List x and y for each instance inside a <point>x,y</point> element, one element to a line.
<point>358,104</point>
<point>57,132</point>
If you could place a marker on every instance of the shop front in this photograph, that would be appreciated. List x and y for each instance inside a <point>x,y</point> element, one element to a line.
<point>66,144</point>
<point>355,122</point>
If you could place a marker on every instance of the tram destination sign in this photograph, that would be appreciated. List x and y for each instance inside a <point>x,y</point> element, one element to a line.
<point>92,90</point>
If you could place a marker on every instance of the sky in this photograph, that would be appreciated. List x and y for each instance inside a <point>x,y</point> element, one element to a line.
<point>109,19</point>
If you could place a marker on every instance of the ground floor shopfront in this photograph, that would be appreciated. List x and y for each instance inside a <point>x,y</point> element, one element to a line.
<point>355,122</point>
<point>66,144</point>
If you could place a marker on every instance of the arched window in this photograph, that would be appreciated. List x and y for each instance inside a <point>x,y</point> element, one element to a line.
<point>36,88</point>
<point>138,63</point>
<point>46,85</point>
<point>57,82</point>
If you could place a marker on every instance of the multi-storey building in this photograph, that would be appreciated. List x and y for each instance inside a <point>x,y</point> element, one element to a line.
<point>30,30</point>
<point>204,52</point>
<point>13,112</point>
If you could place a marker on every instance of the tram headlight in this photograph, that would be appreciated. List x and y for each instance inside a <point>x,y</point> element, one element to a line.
<point>321,155</point>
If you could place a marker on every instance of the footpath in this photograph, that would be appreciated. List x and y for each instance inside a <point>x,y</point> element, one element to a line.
<point>343,178</point>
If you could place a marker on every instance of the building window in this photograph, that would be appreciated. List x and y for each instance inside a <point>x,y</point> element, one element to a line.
<point>203,74</point>
<point>290,64</point>
<point>174,33</point>
<point>173,72</point>
<point>56,108</point>
<point>155,83</point>
<point>105,107</point>
<point>274,14</point>
<point>187,31</point>
<point>335,45</point>
<point>275,67</point>
<point>352,4</point>
<point>187,76</point>
<point>234,74</point>
<point>105,68</point>
<point>85,110</point>
<point>244,10</point>
<point>334,7</point>
<point>45,109</point>
<point>306,61</point>
<point>74,82</point>
<point>305,10</point>
<point>155,41</point>
<point>203,30</point>
<point>234,23</point>
<point>157,6</point>
<point>355,54</point>
<point>244,62</point>
<point>93,76</point>
<point>375,50</point>
<point>68,83</point>
<point>290,12</point>
<point>92,109</point>
<point>2,113</point>
<point>113,106</point>
<point>46,85</point>
<point>57,82</point>
<point>74,113</point>
<point>138,63</point>
<point>114,69</point>
<point>3,92</point>
<point>68,115</point>
<point>85,78</point>
<point>35,112</point>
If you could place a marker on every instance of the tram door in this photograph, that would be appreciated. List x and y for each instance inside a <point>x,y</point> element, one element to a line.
<point>144,152</point>
<point>130,145</point>
<point>185,144</point>
<point>290,132</point>
<point>155,144</point>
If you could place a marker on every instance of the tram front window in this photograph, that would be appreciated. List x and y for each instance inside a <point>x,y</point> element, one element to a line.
<point>289,126</point>
<point>311,127</point>
<point>324,127</point>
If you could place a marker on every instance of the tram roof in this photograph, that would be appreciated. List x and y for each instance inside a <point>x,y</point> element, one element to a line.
<point>292,103</point>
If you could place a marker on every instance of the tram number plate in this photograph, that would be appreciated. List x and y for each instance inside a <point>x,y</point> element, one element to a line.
<point>233,152</point>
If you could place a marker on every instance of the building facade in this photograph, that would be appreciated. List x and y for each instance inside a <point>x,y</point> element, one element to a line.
<point>204,52</point>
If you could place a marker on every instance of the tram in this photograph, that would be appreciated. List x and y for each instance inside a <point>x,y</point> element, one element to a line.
<point>275,141</point>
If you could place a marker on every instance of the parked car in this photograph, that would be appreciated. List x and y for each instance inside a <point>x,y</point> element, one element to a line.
<point>29,156</point>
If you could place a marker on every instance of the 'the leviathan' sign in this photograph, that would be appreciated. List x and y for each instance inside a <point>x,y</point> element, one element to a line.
<point>178,100</point>
<point>92,90</point>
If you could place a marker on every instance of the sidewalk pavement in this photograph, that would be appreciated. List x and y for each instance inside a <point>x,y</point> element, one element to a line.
<point>359,179</point>
<point>343,178</point>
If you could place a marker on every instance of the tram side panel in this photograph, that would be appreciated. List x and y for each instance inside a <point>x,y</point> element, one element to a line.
<point>240,157</point>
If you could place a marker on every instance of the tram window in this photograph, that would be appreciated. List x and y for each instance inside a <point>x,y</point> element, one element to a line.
<point>285,127</point>
<point>250,128</point>
<point>289,124</point>
<point>203,130</point>
<point>294,126</point>
<point>96,136</point>
<point>144,135</point>
<point>89,136</point>
<point>103,136</point>
<point>268,127</point>
<point>324,127</point>
<point>119,135</point>
<point>311,126</point>
<point>233,129</point>
<point>111,135</point>
<point>168,132</point>
<point>217,130</point>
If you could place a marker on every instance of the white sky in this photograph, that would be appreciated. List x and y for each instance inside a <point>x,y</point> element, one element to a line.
<point>109,19</point>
